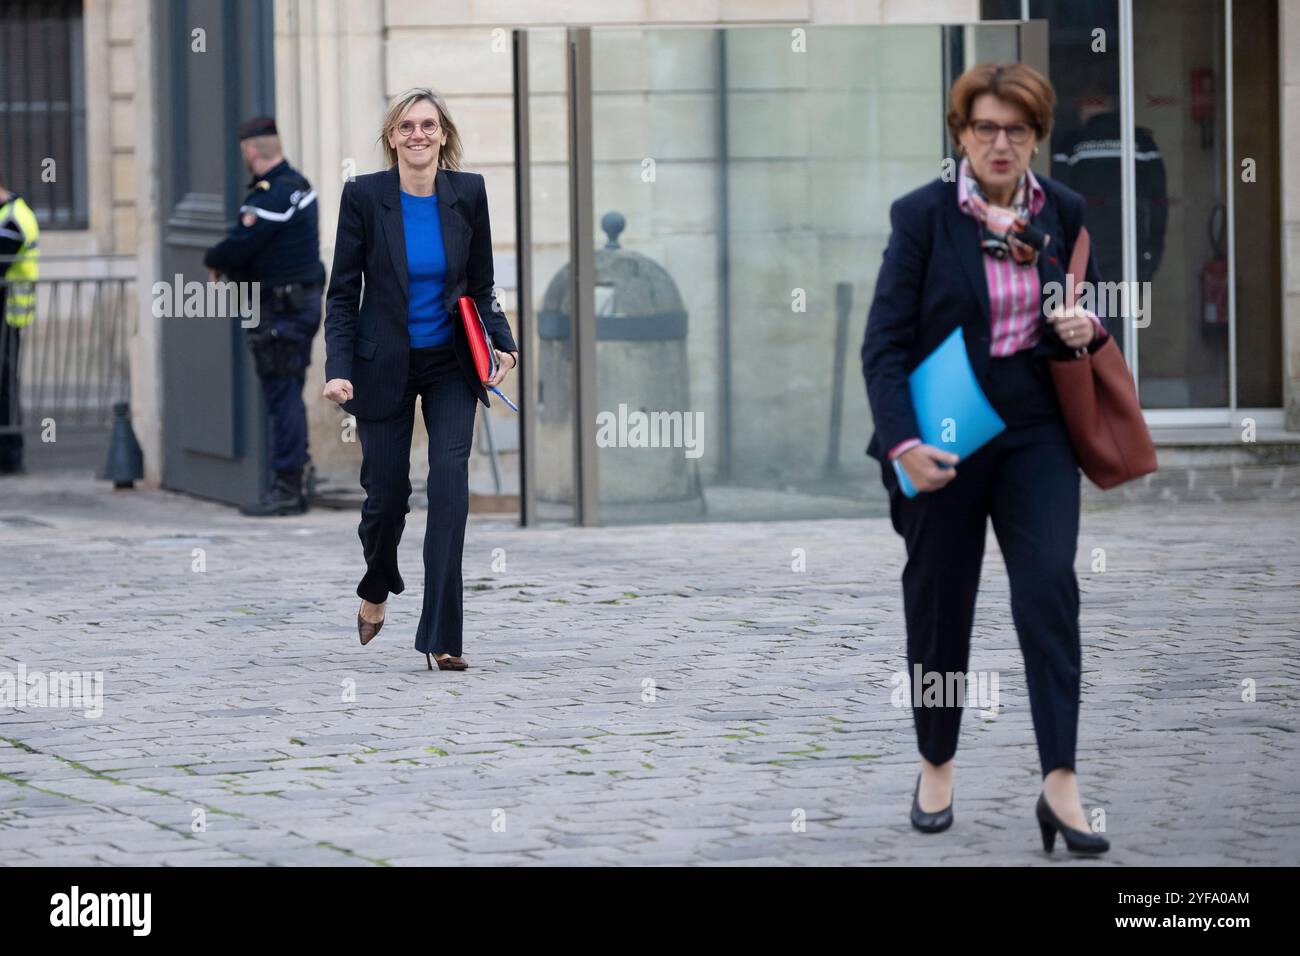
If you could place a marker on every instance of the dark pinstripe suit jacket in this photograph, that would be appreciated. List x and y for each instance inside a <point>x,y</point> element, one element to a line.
<point>366,337</point>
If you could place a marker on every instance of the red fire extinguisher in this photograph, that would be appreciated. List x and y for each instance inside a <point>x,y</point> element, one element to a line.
<point>1214,277</point>
<point>1200,99</point>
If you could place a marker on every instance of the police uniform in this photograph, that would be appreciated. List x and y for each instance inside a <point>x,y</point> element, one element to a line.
<point>276,243</point>
<point>1089,163</point>
<point>19,247</point>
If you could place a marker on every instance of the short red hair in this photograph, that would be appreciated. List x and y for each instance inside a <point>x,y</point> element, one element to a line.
<point>1016,83</point>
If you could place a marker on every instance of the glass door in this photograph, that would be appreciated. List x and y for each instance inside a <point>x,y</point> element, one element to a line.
<point>1181,209</point>
<point>1205,336</point>
<point>728,194</point>
<point>742,179</point>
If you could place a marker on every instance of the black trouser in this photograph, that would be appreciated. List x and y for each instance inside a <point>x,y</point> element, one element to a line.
<point>1027,481</point>
<point>11,436</point>
<point>448,406</point>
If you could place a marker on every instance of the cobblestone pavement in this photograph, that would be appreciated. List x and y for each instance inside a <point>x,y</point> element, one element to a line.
<point>652,695</point>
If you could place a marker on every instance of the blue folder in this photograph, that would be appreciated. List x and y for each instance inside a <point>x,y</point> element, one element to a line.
<point>952,411</point>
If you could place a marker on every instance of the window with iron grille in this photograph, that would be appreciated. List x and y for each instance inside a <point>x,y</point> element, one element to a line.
<point>43,109</point>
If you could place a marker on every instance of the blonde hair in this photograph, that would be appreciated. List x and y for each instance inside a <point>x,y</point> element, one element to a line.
<point>449,155</point>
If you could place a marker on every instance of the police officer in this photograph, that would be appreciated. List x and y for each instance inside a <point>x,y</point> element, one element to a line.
<point>276,243</point>
<point>1089,161</point>
<point>19,247</point>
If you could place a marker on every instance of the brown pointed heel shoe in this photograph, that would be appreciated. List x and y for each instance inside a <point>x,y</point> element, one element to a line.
<point>446,663</point>
<point>367,630</point>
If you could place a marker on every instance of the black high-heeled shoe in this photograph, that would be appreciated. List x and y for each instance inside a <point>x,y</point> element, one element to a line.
<point>1076,841</point>
<point>925,821</point>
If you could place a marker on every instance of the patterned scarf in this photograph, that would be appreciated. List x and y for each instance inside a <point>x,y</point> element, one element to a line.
<point>1001,224</point>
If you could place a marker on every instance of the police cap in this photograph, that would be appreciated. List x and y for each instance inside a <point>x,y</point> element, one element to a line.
<point>257,126</point>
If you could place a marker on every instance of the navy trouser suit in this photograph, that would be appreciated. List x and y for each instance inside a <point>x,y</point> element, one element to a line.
<point>368,343</point>
<point>448,405</point>
<point>1026,481</point>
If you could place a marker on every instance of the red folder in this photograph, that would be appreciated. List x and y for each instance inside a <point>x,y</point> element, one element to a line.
<point>480,346</point>
<point>480,343</point>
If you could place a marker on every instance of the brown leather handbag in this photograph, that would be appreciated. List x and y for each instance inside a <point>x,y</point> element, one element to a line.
<point>1099,401</point>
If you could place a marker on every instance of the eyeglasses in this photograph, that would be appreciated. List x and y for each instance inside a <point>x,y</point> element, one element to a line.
<point>406,128</point>
<point>986,131</point>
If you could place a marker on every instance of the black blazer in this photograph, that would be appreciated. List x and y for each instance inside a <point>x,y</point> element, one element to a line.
<point>932,281</point>
<point>366,336</point>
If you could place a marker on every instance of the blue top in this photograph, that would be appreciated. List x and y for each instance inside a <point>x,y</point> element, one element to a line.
<point>426,264</point>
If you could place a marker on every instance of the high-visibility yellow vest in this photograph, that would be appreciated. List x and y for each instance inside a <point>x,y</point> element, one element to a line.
<point>17,221</point>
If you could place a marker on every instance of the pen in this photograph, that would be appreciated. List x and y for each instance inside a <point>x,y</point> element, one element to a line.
<point>504,399</point>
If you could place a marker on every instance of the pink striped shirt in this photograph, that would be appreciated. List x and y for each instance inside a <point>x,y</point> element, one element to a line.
<point>1015,291</point>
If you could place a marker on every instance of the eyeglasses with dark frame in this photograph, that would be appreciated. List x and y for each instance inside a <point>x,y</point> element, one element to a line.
<point>406,128</point>
<point>986,131</point>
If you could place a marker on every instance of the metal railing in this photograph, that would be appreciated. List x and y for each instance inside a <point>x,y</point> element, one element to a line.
<point>70,364</point>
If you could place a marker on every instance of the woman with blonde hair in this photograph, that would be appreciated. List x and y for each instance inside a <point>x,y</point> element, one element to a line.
<point>417,236</point>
